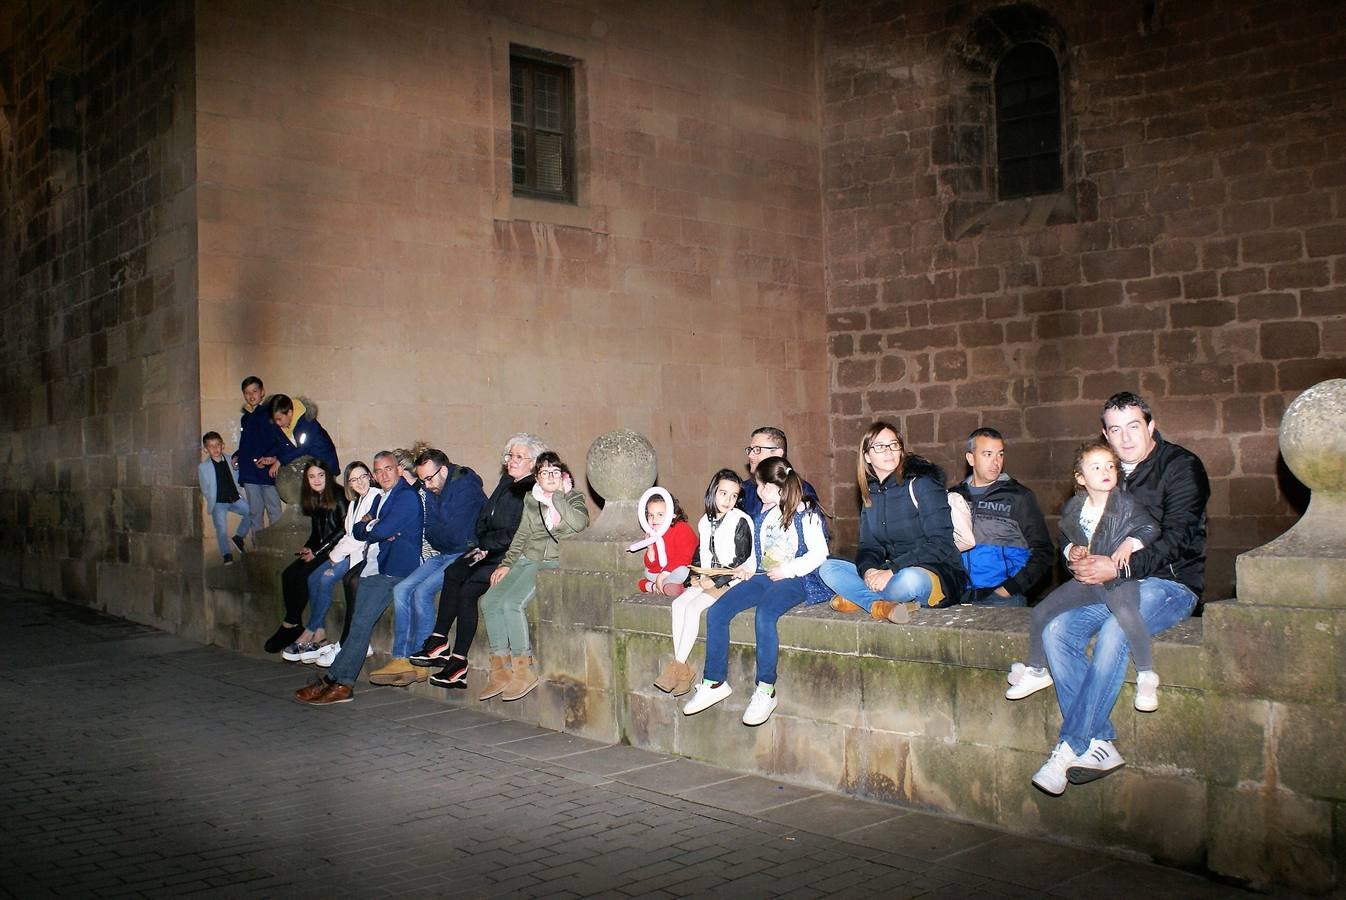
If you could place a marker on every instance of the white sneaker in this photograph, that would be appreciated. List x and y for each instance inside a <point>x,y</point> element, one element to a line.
<point>706,696</point>
<point>1147,687</point>
<point>1052,776</point>
<point>1030,682</point>
<point>1100,759</point>
<point>1016,673</point>
<point>310,655</point>
<point>327,655</point>
<point>761,705</point>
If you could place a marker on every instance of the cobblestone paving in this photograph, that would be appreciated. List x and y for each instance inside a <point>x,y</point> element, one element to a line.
<point>138,763</point>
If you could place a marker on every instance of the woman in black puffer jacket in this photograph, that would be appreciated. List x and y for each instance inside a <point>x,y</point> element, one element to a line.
<point>323,501</point>
<point>469,576</point>
<point>907,556</point>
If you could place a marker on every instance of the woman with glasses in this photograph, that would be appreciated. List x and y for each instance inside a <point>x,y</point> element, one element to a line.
<point>347,556</point>
<point>468,577</point>
<point>552,512</point>
<point>906,556</point>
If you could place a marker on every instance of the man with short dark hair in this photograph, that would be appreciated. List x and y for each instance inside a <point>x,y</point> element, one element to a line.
<point>1170,484</point>
<point>256,442</point>
<point>1014,548</point>
<point>451,496</point>
<point>765,442</point>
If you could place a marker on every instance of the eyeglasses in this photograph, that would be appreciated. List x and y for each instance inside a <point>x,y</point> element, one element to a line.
<point>755,450</point>
<point>428,478</point>
<point>354,478</point>
<point>549,473</point>
<point>890,447</point>
<point>517,457</point>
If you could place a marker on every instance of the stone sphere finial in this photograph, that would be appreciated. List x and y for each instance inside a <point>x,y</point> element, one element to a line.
<point>621,465</point>
<point>290,479</point>
<point>1313,437</point>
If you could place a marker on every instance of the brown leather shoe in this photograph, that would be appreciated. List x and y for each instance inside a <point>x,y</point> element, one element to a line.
<point>306,693</point>
<point>879,609</point>
<point>897,613</point>
<point>841,604</point>
<point>336,693</point>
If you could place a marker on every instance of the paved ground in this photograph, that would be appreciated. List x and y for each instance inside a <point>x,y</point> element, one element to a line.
<point>139,763</point>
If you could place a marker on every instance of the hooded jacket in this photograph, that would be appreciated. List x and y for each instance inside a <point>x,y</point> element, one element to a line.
<point>1014,548</point>
<point>895,533</point>
<point>1171,486</point>
<point>536,538</point>
<point>305,437</point>
<point>256,438</point>
<point>451,515</point>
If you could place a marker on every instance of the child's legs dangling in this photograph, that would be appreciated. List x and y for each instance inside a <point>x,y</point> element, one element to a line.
<point>1124,602</point>
<point>1071,595</point>
<point>687,610</point>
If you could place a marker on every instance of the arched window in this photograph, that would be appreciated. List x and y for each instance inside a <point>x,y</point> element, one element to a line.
<point>1028,122</point>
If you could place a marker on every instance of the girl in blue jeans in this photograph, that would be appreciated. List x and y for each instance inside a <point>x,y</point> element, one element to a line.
<point>907,557</point>
<point>789,546</point>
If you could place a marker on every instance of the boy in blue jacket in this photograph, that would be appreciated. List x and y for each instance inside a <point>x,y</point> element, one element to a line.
<point>300,434</point>
<point>220,487</point>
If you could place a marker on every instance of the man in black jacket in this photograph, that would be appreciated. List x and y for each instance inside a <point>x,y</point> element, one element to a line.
<point>1170,483</point>
<point>1014,549</point>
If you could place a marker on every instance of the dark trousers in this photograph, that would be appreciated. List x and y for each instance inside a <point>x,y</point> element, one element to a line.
<point>463,586</point>
<point>350,582</point>
<point>294,587</point>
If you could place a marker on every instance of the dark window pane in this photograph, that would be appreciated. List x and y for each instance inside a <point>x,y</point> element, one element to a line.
<point>542,107</point>
<point>1028,122</point>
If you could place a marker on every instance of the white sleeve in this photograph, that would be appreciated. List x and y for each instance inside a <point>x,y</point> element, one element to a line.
<point>815,554</point>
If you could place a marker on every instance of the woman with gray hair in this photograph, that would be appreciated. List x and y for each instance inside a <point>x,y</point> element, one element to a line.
<point>468,577</point>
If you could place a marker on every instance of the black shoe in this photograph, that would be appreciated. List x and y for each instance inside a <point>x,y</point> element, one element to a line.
<point>454,674</point>
<point>238,542</point>
<point>228,559</point>
<point>432,652</point>
<point>283,638</point>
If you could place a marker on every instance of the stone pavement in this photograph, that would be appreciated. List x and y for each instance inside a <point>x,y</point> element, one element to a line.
<point>141,763</point>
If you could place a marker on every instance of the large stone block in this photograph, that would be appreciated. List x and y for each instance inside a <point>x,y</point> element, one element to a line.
<point>954,777</point>
<point>1308,750</point>
<point>820,686</point>
<point>583,599</point>
<point>801,750</point>
<point>1265,837</point>
<point>877,765</point>
<point>1293,576</point>
<point>983,716</point>
<point>1236,737</point>
<point>1171,738</point>
<point>818,628</point>
<point>1280,653</point>
<point>906,698</point>
<point>1161,815</point>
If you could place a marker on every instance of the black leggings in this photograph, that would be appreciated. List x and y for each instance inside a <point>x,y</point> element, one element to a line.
<point>294,587</point>
<point>351,583</point>
<point>1123,601</point>
<point>463,586</point>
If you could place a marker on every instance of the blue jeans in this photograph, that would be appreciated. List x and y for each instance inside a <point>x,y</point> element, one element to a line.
<point>772,599</point>
<point>321,584</point>
<point>262,498</point>
<point>372,601</point>
<point>1087,689</point>
<point>219,515</point>
<point>906,585</point>
<point>414,604</point>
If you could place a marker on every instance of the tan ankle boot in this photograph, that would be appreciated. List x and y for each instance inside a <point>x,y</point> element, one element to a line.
<point>501,672</point>
<point>524,680</point>
<point>684,680</point>
<point>668,678</point>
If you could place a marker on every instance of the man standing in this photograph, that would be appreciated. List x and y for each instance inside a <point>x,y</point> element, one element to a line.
<point>1014,549</point>
<point>394,524</point>
<point>256,442</point>
<point>451,497</point>
<point>764,443</point>
<point>1170,483</point>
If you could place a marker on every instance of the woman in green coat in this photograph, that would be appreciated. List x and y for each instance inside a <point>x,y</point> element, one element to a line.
<point>552,512</point>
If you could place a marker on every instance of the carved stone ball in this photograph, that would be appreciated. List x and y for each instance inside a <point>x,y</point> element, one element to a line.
<point>621,465</point>
<point>1313,436</point>
<point>290,479</point>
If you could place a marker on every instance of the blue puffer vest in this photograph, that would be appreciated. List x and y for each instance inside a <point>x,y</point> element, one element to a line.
<point>815,591</point>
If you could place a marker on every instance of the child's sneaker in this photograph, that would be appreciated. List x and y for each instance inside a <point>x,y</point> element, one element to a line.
<point>1147,687</point>
<point>327,655</point>
<point>310,655</point>
<point>1030,682</point>
<point>238,542</point>
<point>706,696</point>
<point>761,706</point>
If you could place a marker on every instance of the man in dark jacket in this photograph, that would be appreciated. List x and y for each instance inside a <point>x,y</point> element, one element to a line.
<point>256,442</point>
<point>1014,549</point>
<point>299,433</point>
<point>394,523</point>
<point>451,497</point>
<point>1170,483</point>
<point>765,442</point>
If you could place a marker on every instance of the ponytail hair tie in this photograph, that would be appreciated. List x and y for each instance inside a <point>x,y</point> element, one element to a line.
<point>788,470</point>
<point>656,534</point>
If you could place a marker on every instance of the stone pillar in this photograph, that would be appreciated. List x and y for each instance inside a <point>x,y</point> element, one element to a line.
<point>1276,676</point>
<point>575,651</point>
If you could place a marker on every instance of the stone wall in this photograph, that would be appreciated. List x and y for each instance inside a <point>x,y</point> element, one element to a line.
<point>360,244</point>
<point>1197,254</point>
<point>98,375</point>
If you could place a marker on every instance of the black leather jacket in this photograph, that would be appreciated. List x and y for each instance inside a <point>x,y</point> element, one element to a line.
<point>1123,518</point>
<point>326,528</point>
